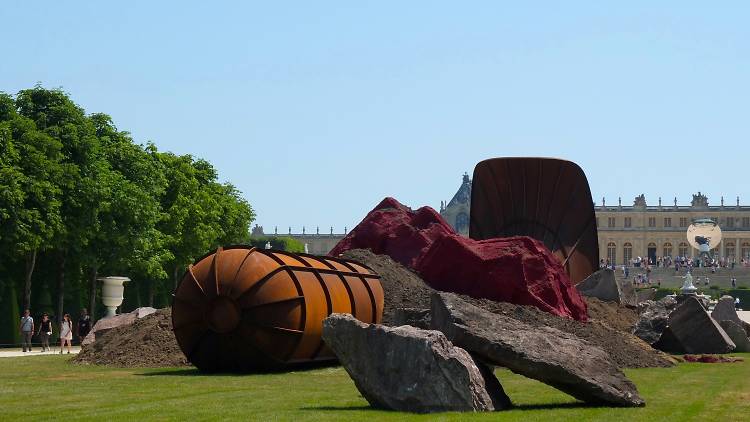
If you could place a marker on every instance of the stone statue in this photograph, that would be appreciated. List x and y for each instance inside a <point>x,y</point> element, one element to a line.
<point>687,286</point>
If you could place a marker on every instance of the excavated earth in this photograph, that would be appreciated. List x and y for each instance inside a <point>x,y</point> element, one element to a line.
<point>609,328</point>
<point>148,342</point>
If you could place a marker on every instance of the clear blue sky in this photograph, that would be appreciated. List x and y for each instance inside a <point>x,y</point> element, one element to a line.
<point>318,110</point>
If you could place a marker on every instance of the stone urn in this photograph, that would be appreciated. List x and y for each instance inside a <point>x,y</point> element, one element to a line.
<point>112,293</point>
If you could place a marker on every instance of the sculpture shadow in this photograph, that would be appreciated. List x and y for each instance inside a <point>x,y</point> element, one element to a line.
<point>522,407</point>
<point>550,406</point>
<point>192,371</point>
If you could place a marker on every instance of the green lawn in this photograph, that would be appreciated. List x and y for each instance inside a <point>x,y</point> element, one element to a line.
<point>48,387</point>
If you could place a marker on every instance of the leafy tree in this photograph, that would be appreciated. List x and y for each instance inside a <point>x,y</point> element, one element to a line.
<point>58,117</point>
<point>31,169</point>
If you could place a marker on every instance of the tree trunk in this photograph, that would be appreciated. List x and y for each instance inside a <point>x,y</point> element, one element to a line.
<point>30,262</point>
<point>176,276</point>
<point>61,285</point>
<point>151,289</point>
<point>92,294</point>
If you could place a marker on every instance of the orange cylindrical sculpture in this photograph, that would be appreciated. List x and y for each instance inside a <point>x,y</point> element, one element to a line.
<point>248,309</point>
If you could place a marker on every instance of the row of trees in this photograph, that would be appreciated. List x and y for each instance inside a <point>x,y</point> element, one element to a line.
<point>79,198</point>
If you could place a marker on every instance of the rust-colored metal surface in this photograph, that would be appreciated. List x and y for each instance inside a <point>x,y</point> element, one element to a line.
<point>247,309</point>
<point>543,198</point>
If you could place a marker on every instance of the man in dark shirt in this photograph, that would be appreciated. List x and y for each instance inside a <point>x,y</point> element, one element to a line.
<point>84,325</point>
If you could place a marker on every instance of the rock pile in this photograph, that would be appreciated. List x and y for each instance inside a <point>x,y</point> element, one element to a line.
<point>412,370</point>
<point>696,331</point>
<point>610,327</point>
<point>147,342</point>
<point>516,269</point>
<point>553,357</point>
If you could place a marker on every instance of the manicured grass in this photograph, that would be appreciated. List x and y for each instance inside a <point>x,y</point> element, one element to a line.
<point>49,387</point>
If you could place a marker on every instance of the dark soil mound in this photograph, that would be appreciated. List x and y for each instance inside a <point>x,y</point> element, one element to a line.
<point>617,316</point>
<point>404,289</point>
<point>148,342</point>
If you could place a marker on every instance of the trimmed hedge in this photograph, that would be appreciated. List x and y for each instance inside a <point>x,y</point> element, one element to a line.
<point>281,243</point>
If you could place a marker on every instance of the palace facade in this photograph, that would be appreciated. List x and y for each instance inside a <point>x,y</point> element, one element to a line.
<point>625,231</point>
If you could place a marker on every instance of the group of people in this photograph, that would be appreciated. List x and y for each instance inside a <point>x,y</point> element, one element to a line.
<point>28,328</point>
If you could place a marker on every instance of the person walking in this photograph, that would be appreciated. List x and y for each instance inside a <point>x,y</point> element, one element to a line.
<point>45,332</point>
<point>27,330</point>
<point>84,325</point>
<point>66,332</point>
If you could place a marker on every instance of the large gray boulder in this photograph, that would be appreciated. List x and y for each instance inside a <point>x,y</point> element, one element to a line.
<point>654,318</point>
<point>603,285</point>
<point>696,330</point>
<point>409,369</point>
<point>737,334</point>
<point>724,311</point>
<point>551,356</point>
<point>106,324</point>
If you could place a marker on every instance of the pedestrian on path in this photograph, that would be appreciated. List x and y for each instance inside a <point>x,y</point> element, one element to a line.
<point>84,325</point>
<point>66,332</point>
<point>27,330</point>
<point>45,331</point>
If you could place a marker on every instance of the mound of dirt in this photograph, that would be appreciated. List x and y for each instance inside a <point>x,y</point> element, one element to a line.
<point>404,289</point>
<point>147,342</point>
<point>617,316</point>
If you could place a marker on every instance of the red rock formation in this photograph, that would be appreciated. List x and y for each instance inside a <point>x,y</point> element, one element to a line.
<point>517,270</point>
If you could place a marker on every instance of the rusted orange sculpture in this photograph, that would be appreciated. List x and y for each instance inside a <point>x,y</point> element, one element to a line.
<point>543,198</point>
<point>247,309</point>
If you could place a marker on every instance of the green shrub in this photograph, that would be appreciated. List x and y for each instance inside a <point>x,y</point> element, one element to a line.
<point>281,243</point>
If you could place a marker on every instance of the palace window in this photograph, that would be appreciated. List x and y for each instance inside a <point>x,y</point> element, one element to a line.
<point>652,221</point>
<point>610,222</point>
<point>627,253</point>
<point>746,250</point>
<point>667,249</point>
<point>682,249</point>
<point>729,250</point>
<point>745,222</point>
<point>611,253</point>
<point>667,222</point>
<point>683,222</point>
<point>627,222</point>
<point>730,222</point>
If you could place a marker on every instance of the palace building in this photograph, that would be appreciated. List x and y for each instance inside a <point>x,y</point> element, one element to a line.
<point>625,231</point>
<point>642,230</point>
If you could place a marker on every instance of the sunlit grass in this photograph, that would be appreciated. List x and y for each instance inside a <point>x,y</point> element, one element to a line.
<point>49,387</point>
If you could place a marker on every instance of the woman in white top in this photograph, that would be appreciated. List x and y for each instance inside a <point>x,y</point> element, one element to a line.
<point>66,332</point>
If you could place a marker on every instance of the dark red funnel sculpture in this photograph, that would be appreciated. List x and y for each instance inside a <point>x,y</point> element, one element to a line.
<point>544,198</point>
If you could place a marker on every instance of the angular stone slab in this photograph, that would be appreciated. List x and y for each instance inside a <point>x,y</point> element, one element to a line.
<point>605,286</point>
<point>409,369</point>
<point>553,357</point>
<point>724,310</point>
<point>737,334</point>
<point>697,331</point>
<point>669,343</point>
